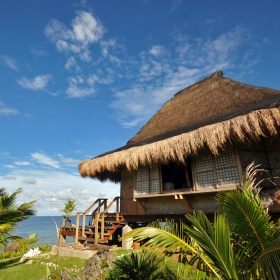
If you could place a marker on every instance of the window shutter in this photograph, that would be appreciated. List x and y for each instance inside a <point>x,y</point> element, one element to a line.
<point>147,180</point>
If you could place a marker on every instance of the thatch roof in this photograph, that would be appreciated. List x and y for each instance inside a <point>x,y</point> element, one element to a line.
<point>211,113</point>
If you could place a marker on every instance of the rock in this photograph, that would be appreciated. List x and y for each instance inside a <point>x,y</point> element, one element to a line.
<point>98,265</point>
<point>23,259</point>
<point>33,252</point>
<point>15,247</point>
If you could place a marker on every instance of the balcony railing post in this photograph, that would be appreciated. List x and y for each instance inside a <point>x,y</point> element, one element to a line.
<point>96,227</point>
<point>102,226</point>
<point>117,209</point>
<point>84,224</point>
<point>77,228</point>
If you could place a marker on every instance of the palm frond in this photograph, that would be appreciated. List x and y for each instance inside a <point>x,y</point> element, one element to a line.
<point>267,265</point>
<point>27,209</point>
<point>163,239</point>
<point>215,241</point>
<point>244,210</point>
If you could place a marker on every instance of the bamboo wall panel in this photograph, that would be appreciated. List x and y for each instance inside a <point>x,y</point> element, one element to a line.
<point>128,205</point>
<point>170,205</point>
<point>267,154</point>
<point>165,205</point>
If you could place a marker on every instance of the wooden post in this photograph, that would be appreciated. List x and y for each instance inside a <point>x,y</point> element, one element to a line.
<point>77,228</point>
<point>102,226</point>
<point>61,239</point>
<point>186,203</point>
<point>96,228</point>
<point>117,209</point>
<point>189,184</point>
<point>84,224</point>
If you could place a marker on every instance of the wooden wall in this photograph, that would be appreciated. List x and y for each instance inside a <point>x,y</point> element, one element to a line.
<point>128,205</point>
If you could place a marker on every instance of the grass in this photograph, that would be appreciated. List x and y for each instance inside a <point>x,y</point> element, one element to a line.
<point>11,269</point>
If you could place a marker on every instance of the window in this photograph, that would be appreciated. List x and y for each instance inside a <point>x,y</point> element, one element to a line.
<point>176,175</point>
<point>147,180</point>
<point>215,171</point>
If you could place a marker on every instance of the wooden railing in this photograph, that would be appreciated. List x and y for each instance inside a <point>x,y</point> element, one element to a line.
<point>99,216</point>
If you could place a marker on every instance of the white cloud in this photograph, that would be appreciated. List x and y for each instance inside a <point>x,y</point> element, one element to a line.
<point>9,178</point>
<point>9,166</point>
<point>54,188</point>
<point>157,50</point>
<point>23,163</point>
<point>77,88</point>
<point>38,52</point>
<point>85,30</point>
<point>105,45</point>
<point>71,63</point>
<point>30,181</point>
<point>175,5</point>
<point>6,111</point>
<point>71,161</point>
<point>43,159</point>
<point>161,76</point>
<point>9,62</point>
<point>40,82</point>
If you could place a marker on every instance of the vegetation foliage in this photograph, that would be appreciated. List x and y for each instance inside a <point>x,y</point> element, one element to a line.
<point>11,214</point>
<point>141,265</point>
<point>69,207</point>
<point>241,243</point>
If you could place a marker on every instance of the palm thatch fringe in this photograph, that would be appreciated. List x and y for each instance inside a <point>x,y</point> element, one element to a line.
<point>247,128</point>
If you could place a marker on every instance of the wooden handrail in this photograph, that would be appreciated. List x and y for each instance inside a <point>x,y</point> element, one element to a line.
<point>98,215</point>
<point>94,203</point>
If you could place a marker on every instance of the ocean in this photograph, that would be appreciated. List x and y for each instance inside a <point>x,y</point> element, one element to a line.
<point>44,226</point>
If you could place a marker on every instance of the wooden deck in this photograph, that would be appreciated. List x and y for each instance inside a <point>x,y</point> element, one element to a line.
<point>102,227</point>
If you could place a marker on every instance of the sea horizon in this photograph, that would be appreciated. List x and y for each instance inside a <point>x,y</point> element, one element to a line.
<point>44,226</point>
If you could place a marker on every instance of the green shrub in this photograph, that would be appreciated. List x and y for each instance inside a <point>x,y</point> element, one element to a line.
<point>140,265</point>
<point>8,255</point>
<point>45,248</point>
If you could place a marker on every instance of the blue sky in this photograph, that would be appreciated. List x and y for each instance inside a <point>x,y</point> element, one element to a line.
<point>79,78</point>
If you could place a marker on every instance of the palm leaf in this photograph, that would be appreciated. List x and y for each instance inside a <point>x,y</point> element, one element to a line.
<point>247,220</point>
<point>267,264</point>
<point>10,214</point>
<point>244,211</point>
<point>163,239</point>
<point>214,240</point>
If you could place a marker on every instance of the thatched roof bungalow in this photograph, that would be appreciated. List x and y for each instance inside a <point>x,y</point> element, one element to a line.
<point>199,142</point>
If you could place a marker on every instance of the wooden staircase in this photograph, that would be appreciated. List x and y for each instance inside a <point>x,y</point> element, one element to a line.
<point>103,224</point>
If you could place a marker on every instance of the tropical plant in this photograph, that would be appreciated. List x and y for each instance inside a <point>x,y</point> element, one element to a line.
<point>11,214</point>
<point>70,206</point>
<point>241,243</point>
<point>26,243</point>
<point>60,274</point>
<point>140,265</point>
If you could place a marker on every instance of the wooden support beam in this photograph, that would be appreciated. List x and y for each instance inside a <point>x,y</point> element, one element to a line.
<point>117,209</point>
<point>96,220</point>
<point>77,228</point>
<point>186,203</point>
<point>102,226</point>
<point>141,205</point>
<point>175,196</point>
<point>84,225</point>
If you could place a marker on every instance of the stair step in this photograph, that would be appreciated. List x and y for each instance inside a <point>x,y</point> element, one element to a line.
<point>87,239</point>
<point>91,239</point>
